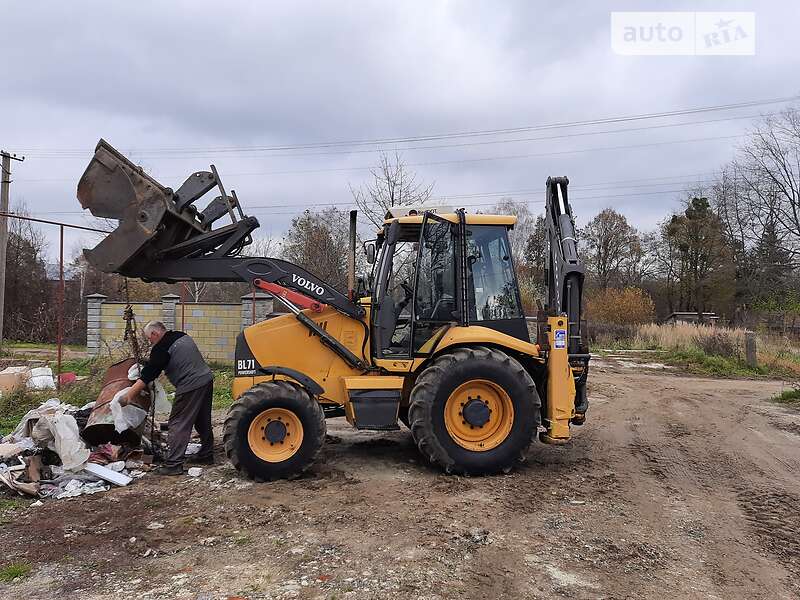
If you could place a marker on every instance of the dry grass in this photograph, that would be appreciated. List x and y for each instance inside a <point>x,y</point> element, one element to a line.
<point>775,354</point>
<point>685,336</point>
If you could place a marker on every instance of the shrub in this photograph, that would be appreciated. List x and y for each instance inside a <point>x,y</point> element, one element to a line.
<point>718,343</point>
<point>610,335</point>
<point>683,336</point>
<point>628,306</point>
<point>791,396</point>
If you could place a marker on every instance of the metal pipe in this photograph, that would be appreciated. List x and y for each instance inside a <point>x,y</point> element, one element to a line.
<point>61,283</point>
<point>351,258</point>
<point>26,218</point>
<point>293,308</point>
<point>183,305</point>
<point>60,303</point>
<point>238,206</point>
<point>222,192</point>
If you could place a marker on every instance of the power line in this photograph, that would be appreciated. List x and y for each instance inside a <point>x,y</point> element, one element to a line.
<point>263,212</point>
<point>700,178</point>
<point>591,186</point>
<point>457,135</point>
<point>269,210</point>
<point>492,158</point>
<point>446,162</point>
<point>144,154</point>
<point>471,160</point>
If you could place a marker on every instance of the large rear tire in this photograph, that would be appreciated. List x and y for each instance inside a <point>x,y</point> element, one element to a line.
<point>474,411</point>
<point>274,430</point>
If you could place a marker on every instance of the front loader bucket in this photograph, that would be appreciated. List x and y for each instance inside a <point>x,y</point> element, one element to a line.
<point>113,188</point>
<point>153,221</point>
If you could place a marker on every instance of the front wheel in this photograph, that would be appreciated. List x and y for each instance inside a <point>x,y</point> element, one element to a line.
<point>274,430</point>
<point>474,411</point>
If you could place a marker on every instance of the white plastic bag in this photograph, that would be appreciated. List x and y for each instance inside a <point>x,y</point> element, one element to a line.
<point>134,372</point>
<point>60,433</point>
<point>41,378</point>
<point>162,404</point>
<point>128,416</point>
<point>76,487</point>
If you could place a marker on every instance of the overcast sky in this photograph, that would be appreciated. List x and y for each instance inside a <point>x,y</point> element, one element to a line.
<point>216,79</point>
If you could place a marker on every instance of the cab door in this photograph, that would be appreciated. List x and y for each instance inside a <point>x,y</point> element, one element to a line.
<point>393,293</point>
<point>436,303</point>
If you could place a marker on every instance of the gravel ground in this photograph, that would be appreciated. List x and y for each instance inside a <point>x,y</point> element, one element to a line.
<point>676,487</point>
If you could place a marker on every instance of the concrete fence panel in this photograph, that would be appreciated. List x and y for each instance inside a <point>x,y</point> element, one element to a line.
<point>214,326</point>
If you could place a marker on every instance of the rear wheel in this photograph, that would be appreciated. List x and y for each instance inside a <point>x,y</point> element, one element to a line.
<point>274,430</point>
<point>474,411</point>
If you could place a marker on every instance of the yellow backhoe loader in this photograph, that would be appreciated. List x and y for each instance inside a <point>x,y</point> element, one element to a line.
<point>437,339</point>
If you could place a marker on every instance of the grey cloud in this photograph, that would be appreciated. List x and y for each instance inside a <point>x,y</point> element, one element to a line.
<point>202,74</point>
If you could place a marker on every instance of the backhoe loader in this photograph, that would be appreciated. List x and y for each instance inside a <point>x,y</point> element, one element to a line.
<point>438,341</point>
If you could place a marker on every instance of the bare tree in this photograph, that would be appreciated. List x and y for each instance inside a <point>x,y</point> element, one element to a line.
<point>28,295</point>
<point>769,170</point>
<point>263,246</point>
<point>392,184</point>
<point>641,261</point>
<point>196,289</point>
<point>757,199</point>
<point>523,228</point>
<point>318,242</point>
<point>611,245</point>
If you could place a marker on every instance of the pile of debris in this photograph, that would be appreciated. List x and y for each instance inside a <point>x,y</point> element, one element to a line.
<point>36,378</point>
<point>61,451</point>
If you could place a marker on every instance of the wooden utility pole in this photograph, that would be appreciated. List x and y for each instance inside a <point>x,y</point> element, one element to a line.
<point>5,181</point>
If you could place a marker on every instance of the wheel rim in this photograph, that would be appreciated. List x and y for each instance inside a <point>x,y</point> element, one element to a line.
<point>275,435</point>
<point>479,415</point>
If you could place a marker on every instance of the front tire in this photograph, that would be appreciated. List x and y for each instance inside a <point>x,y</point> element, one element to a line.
<point>474,411</point>
<point>274,430</point>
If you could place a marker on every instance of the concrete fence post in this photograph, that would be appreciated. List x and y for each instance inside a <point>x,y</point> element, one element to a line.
<point>263,308</point>
<point>169,303</point>
<point>750,348</point>
<point>94,303</point>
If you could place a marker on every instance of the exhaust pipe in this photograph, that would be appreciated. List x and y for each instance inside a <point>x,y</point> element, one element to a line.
<point>351,258</point>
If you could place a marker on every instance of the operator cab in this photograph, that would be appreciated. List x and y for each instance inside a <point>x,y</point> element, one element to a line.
<point>436,271</point>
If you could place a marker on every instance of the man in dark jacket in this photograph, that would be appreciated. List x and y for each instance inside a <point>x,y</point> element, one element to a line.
<point>176,354</point>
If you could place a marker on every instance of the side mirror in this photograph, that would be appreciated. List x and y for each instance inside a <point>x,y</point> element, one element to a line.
<point>369,250</point>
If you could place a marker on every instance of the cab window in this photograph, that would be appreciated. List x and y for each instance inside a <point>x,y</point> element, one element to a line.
<point>435,294</point>
<point>491,274</point>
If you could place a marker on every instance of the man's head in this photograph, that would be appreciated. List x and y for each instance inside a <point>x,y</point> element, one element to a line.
<point>154,331</point>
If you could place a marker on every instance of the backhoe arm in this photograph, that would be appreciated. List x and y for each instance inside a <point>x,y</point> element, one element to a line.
<point>560,325</point>
<point>564,269</point>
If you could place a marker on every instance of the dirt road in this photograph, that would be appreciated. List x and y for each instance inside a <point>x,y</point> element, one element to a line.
<point>677,487</point>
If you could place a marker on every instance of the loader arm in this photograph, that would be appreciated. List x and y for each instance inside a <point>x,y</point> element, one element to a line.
<point>242,269</point>
<point>564,277</point>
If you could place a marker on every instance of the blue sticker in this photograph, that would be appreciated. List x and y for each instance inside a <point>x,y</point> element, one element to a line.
<point>561,338</point>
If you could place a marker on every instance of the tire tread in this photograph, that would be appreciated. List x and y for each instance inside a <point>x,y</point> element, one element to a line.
<point>249,400</point>
<point>423,395</point>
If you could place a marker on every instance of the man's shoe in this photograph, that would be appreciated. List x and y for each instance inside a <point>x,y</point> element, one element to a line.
<point>171,470</point>
<point>200,460</point>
